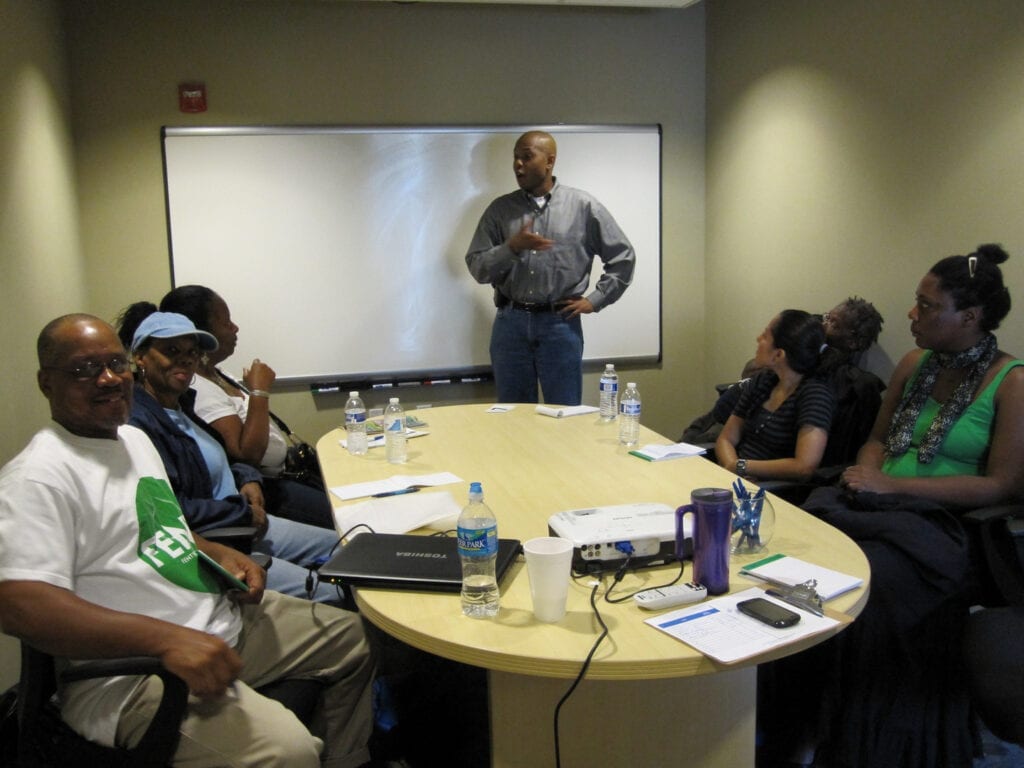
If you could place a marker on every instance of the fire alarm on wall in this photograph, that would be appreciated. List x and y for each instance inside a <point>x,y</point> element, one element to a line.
<point>192,97</point>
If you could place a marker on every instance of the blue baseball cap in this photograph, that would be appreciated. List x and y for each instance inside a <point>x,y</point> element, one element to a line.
<point>170,325</point>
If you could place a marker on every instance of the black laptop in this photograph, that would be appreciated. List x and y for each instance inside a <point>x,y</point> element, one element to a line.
<point>407,561</point>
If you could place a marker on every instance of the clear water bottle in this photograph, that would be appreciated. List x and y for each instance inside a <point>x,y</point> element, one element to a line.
<point>609,393</point>
<point>629,416</point>
<point>355,425</point>
<point>478,550</point>
<point>394,432</point>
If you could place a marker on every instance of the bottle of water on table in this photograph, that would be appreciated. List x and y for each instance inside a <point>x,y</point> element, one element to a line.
<point>478,551</point>
<point>394,432</point>
<point>629,416</point>
<point>609,393</point>
<point>355,425</point>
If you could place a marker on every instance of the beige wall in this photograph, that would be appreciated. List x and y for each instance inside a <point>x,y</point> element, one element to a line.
<point>851,146</point>
<point>350,63</point>
<point>41,267</point>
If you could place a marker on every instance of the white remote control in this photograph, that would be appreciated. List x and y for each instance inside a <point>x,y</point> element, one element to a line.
<point>666,597</point>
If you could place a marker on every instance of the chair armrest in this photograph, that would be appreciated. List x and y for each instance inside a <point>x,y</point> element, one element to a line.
<point>996,541</point>
<point>131,665</point>
<point>160,741</point>
<point>238,537</point>
<point>996,512</point>
<point>41,728</point>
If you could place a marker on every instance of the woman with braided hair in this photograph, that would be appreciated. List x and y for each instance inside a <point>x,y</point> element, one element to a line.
<point>949,436</point>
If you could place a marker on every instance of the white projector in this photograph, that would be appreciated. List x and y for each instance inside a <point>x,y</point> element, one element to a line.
<point>603,537</point>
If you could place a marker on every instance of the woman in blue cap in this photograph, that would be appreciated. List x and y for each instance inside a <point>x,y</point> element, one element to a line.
<point>213,492</point>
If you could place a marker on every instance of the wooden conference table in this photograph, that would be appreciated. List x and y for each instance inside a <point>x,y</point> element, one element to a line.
<point>647,699</point>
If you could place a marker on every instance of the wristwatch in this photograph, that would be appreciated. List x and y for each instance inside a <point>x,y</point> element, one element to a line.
<point>741,467</point>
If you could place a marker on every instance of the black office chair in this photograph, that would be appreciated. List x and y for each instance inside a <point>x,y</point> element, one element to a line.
<point>994,635</point>
<point>45,740</point>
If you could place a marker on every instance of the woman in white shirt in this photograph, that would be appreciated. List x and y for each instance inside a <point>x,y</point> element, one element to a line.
<point>240,411</point>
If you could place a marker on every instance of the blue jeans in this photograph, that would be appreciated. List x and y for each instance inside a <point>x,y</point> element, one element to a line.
<point>527,346</point>
<point>294,546</point>
<point>295,501</point>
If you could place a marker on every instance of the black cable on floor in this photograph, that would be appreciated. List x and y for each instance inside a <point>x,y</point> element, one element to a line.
<point>583,669</point>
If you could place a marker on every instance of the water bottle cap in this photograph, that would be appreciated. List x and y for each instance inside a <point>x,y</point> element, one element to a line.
<point>609,367</point>
<point>353,393</point>
<point>631,384</point>
<point>393,401</point>
<point>475,488</point>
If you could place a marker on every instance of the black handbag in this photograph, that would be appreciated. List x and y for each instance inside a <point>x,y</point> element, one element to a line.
<point>300,462</point>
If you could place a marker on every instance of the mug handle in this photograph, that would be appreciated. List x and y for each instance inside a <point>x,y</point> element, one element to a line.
<point>681,512</point>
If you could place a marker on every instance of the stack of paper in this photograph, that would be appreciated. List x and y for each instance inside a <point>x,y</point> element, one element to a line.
<point>790,571</point>
<point>397,514</point>
<point>561,411</point>
<point>391,484</point>
<point>654,452</point>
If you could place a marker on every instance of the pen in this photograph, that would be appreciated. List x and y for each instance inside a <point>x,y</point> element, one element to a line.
<point>640,456</point>
<point>394,493</point>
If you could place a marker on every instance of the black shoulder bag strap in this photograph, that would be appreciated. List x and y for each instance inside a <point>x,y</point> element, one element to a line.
<point>276,419</point>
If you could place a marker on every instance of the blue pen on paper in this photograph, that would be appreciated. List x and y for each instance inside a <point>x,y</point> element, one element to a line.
<point>399,492</point>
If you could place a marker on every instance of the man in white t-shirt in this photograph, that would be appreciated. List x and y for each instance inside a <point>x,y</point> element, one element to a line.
<point>96,561</point>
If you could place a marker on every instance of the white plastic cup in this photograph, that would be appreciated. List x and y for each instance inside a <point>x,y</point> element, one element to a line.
<point>548,564</point>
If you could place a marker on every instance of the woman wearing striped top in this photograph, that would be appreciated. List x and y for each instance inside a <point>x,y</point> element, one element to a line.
<point>779,427</point>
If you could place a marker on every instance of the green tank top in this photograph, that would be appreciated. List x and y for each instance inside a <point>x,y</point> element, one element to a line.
<point>965,449</point>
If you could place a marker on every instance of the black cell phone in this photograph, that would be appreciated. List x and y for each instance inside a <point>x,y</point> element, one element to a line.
<point>770,613</point>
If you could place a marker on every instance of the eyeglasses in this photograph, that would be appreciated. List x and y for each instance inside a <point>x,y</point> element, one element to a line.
<point>93,369</point>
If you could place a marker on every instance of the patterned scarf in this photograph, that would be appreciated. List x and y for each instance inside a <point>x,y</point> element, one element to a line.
<point>978,358</point>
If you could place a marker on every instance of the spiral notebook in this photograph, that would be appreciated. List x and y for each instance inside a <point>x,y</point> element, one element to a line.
<point>407,561</point>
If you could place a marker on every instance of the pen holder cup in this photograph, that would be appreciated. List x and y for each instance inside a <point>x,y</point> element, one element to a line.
<point>753,523</point>
<point>712,510</point>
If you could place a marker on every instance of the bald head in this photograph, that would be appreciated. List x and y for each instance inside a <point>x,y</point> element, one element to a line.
<point>83,372</point>
<point>54,336</point>
<point>533,162</point>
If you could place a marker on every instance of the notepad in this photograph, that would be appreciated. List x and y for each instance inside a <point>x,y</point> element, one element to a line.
<point>226,579</point>
<point>654,452</point>
<point>560,412</point>
<point>791,571</point>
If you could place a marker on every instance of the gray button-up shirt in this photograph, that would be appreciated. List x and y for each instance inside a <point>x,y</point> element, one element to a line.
<point>581,227</point>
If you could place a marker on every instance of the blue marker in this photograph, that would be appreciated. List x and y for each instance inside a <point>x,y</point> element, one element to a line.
<point>400,492</point>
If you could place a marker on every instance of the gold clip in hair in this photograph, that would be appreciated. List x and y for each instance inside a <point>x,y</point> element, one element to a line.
<point>972,265</point>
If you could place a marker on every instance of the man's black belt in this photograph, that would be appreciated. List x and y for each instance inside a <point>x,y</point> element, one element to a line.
<point>530,307</point>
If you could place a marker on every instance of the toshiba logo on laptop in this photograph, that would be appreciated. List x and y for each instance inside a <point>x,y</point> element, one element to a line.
<point>434,555</point>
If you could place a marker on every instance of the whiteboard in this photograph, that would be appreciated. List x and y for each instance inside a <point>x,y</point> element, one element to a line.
<point>341,250</point>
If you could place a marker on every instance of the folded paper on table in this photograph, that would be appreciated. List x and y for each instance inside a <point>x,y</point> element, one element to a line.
<point>377,440</point>
<point>560,412</point>
<point>719,630</point>
<point>396,514</point>
<point>655,452</point>
<point>790,571</point>
<point>393,483</point>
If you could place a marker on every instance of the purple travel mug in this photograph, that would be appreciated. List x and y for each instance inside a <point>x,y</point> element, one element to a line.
<point>712,526</point>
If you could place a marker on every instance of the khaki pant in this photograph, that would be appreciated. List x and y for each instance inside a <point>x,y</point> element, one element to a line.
<point>283,637</point>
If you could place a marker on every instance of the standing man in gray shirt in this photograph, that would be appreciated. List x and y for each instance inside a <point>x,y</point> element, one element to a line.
<point>536,246</point>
